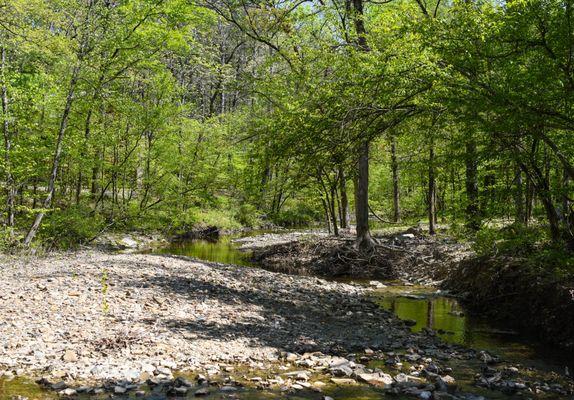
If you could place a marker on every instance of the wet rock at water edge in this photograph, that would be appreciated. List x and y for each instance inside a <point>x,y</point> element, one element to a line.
<point>181,381</point>
<point>120,389</point>
<point>178,391</point>
<point>201,392</point>
<point>68,392</point>
<point>58,386</point>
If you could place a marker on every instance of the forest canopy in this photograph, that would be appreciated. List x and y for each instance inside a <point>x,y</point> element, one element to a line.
<point>172,114</point>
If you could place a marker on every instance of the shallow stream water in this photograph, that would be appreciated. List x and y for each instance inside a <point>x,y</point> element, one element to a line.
<point>426,306</point>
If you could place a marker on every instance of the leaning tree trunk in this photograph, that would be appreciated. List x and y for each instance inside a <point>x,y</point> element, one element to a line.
<point>56,160</point>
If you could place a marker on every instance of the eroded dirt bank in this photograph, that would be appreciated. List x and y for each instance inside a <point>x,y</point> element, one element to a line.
<point>503,289</point>
<point>92,322</point>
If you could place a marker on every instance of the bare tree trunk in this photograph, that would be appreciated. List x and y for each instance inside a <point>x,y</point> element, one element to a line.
<point>529,201</point>
<point>95,172</point>
<point>10,189</point>
<point>345,215</point>
<point>395,172</point>
<point>364,239</point>
<point>327,218</point>
<point>83,155</point>
<point>57,155</point>
<point>518,197</point>
<point>431,192</point>
<point>332,204</point>
<point>472,208</point>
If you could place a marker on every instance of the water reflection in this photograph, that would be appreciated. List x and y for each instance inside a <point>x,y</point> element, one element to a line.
<point>446,316</point>
<point>223,250</point>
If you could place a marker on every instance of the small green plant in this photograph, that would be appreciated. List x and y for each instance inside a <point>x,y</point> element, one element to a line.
<point>105,287</point>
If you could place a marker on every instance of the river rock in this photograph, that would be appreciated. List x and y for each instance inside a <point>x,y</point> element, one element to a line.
<point>201,392</point>
<point>70,356</point>
<point>342,370</point>
<point>181,381</point>
<point>68,392</point>
<point>119,389</point>
<point>343,381</point>
<point>377,379</point>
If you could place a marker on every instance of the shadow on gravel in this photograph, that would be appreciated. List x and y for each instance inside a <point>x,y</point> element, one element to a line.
<point>293,314</point>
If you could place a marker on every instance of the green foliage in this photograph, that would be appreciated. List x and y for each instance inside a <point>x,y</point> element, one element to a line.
<point>66,228</point>
<point>178,119</point>
<point>297,215</point>
<point>247,215</point>
<point>200,217</point>
<point>512,240</point>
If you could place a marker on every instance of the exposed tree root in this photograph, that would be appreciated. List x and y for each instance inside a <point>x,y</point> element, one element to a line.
<point>408,257</point>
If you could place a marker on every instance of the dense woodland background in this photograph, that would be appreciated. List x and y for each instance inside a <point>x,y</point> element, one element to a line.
<point>171,114</point>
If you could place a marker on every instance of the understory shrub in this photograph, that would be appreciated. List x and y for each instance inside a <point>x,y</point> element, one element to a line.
<point>70,227</point>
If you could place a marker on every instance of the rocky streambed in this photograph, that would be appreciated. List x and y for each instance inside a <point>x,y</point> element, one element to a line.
<point>93,323</point>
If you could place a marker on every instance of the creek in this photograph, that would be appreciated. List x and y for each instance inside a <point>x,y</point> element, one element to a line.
<point>425,306</point>
<point>429,307</point>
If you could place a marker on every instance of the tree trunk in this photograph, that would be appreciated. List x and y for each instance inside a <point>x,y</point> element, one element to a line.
<point>327,218</point>
<point>345,215</point>
<point>10,190</point>
<point>83,155</point>
<point>364,239</point>
<point>472,209</point>
<point>529,200</point>
<point>395,172</point>
<point>57,155</point>
<point>518,197</point>
<point>333,208</point>
<point>431,192</point>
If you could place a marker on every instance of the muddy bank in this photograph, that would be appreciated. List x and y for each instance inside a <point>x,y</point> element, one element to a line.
<point>407,256</point>
<point>505,290</point>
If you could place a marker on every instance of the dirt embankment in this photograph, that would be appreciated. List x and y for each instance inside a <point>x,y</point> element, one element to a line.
<point>503,289</point>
